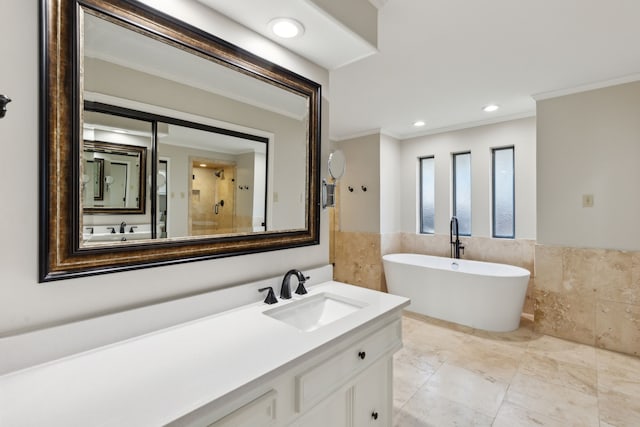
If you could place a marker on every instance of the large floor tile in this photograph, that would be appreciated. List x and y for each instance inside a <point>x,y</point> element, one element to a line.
<point>619,409</point>
<point>563,350</point>
<point>407,380</point>
<point>488,361</point>
<point>467,388</point>
<point>511,415</point>
<point>429,409</point>
<point>563,403</point>
<point>448,376</point>
<point>577,377</point>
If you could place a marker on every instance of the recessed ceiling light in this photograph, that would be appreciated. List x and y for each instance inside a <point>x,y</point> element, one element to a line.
<point>419,123</point>
<point>287,28</point>
<point>203,165</point>
<point>489,108</point>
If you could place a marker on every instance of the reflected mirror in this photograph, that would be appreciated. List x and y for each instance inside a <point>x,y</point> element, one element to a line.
<point>113,165</point>
<point>337,164</point>
<point>183,146</point>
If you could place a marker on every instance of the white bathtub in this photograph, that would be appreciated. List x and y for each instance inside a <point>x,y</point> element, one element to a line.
<point>482,295</point>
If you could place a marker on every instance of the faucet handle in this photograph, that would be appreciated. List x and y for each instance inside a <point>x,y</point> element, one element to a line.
<point>301,290</point>
<point>271,297</point>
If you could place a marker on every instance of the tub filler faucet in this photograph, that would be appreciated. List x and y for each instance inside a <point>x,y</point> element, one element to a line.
<point>456,246</point>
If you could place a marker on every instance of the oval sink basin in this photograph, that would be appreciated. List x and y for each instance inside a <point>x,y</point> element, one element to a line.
<point>313,312</point>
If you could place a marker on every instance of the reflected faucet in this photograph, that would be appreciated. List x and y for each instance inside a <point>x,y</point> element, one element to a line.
<point>456,247</point>
<point>285,290</point>
<point>122,226</point>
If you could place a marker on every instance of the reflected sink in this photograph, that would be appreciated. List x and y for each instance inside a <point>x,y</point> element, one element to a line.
<point>313,312</point>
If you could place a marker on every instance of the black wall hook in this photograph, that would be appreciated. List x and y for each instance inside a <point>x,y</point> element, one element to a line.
<point>4,100</point>
<point>350,188</point>
<point>364,188</point>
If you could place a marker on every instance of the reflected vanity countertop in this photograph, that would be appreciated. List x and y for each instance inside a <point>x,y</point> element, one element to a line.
<point>155,378</point>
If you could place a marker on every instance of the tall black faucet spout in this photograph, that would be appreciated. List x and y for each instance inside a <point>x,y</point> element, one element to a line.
<point>454,238</point>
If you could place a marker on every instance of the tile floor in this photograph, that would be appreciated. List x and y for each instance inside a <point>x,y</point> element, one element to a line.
<point>450,375</point>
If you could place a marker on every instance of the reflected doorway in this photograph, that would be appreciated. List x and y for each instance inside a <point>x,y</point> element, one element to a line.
<point>163,201</point>
<point>212,202</point>
<point>116,188</point>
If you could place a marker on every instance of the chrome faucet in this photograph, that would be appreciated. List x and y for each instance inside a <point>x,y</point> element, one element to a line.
<point>285,290</point>
<point>456,247</point>
<point>122,226</point>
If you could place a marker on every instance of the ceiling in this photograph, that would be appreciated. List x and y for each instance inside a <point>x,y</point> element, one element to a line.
<point>115,44</point>
<point>441,61</point>
<point>322,33</point>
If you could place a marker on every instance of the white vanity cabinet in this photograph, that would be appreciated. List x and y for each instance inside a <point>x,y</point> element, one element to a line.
<point>348,384</point>
<point>366,401</point>
<point>242,367</point>
<point>372,396</point>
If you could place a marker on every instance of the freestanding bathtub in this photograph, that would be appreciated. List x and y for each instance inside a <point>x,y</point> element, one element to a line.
<point>482,295</point>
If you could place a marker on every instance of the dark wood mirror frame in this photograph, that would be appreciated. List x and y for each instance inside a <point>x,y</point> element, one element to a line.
<point>61,255</point>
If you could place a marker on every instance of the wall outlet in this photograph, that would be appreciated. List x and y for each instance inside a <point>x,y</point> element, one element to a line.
<point>587,200</point>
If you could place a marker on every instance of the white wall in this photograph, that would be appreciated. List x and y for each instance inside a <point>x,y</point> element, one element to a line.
<point>360,210</point>
<point>390,185</point>
<point>479,140</point>
<point>589,143</point>
<point>25,304</point>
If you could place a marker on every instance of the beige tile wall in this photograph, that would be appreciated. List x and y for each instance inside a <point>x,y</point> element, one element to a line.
<point>358,259</point>
<point>590,296</point>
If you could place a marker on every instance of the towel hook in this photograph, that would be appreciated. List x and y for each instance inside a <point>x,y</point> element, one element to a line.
<point>4,100</point>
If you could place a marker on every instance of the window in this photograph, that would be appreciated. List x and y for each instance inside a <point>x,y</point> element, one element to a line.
<point>427,195</point>
<point>462,192</point>
<point>503,192</point>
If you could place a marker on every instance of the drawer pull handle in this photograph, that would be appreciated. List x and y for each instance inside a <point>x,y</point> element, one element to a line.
<point>374,415</point>
<point>362,355</point>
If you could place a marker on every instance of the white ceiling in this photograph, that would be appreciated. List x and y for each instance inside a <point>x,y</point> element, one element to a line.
<point>441,61</point>
<point>113,43</point>
<point>323,33</point>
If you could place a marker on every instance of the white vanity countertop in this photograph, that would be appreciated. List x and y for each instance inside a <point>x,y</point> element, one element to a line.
<point>158,377</point>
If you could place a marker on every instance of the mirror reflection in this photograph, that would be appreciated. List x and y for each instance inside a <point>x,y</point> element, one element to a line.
<point>213,183</point>
<point>227,153</point>
<point>114,159</point>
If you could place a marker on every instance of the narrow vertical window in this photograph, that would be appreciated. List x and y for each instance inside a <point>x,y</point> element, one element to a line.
<point>427,195</point>
<point>462,192</point>
<point>503,193</point>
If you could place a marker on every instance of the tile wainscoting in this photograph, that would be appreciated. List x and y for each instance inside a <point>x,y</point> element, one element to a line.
<point>591,296</point>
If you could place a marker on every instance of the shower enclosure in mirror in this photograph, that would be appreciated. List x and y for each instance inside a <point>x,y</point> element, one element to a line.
<point>163,144</point>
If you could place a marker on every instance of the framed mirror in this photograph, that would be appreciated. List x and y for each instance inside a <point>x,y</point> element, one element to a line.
<point>163,144</point>
<point>116,172</point>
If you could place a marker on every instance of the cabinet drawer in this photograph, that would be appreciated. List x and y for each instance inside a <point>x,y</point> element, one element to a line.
<point>323,379</point>
<point>260,412</point>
